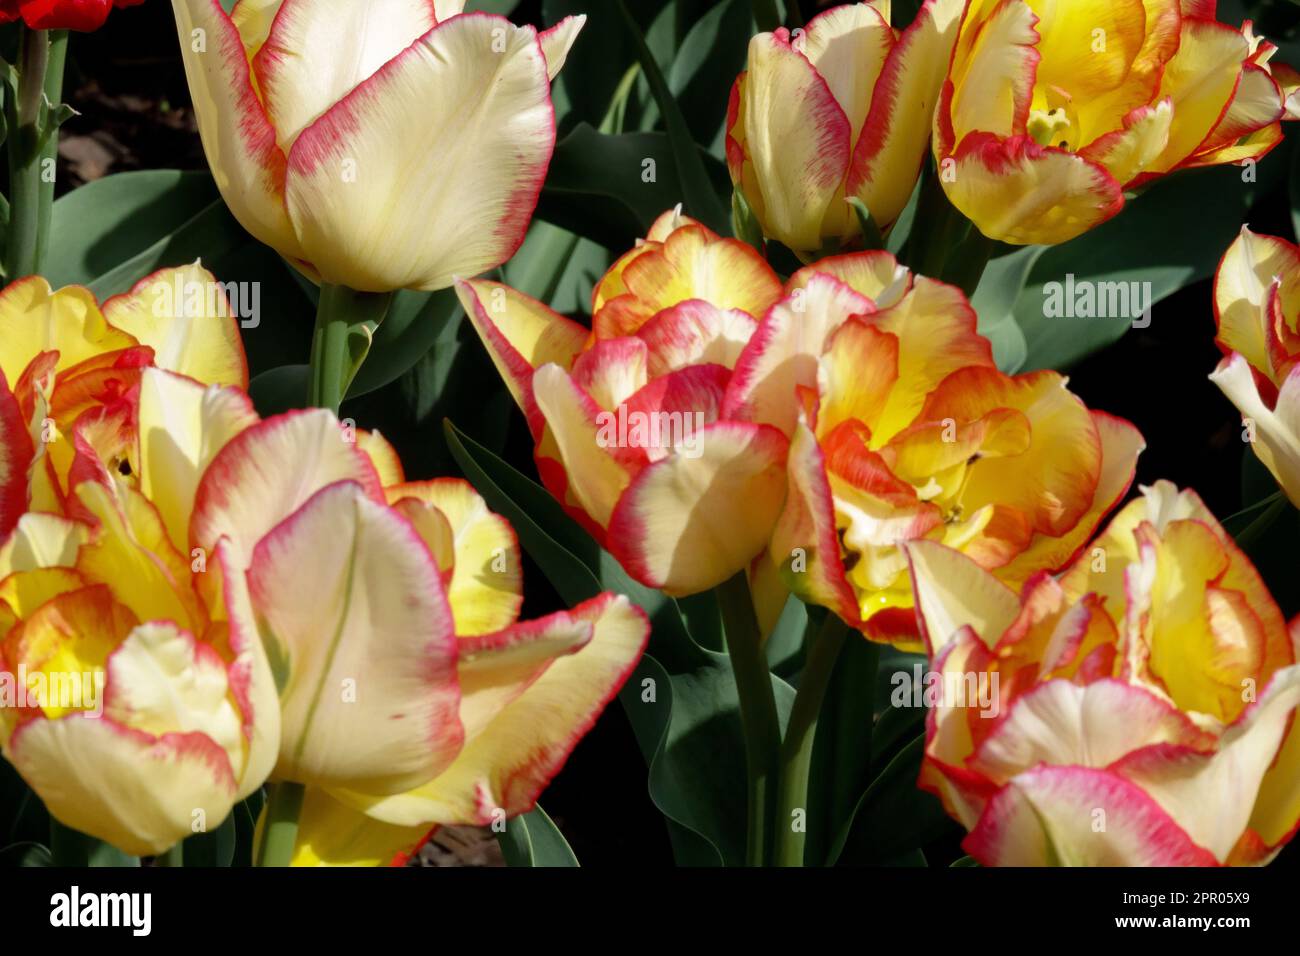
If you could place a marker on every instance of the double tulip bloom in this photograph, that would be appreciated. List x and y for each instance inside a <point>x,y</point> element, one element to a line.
<point>1047,118</point>
<point>631,418</point>
<point>81,15</point>
<point>902,428</point>
<point>63,357</point>
<point>1257,304</point>
<point>314,113</point>
<point>838,110</point>
<point>237,600</point>
<point>1140,710</point>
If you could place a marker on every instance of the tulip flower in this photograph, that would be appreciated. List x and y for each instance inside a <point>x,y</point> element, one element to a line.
<point>838,110</point>
<point>273,599</point>
<point>1047,119</point>
<point>81,15</point>
<point>63,358</point>
<point>1139,711</point>
<point>381,145</point>
<point>1256,304</point>
<point>143,716</point>
<point>628,417</point>
<point>902,428</point>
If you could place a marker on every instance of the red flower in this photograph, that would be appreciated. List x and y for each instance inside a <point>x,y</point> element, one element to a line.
<point>84,15</point>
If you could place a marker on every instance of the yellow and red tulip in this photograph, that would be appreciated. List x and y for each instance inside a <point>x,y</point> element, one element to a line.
<point>272,598</point>
<point>111,594</point>
<point>1140,710</point>
<point>1257,305</point>
<point>841,109</point>
<point>64,358</point>
<point>81,15</point>
<point>1051,111</point>
<point>430,703</point>
<point>902,428</point>
<point>682,511</point>
<point>313,114</point>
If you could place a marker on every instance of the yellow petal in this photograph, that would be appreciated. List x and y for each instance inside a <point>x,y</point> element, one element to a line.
<point>797,137</point>
<point>896,132</point>
<point>1241,293</point>
<point>36,319</point>
<point>182,426</point>
<point>1276,431</point>
<point>521,335</point>
<point>186,316</point>
<point>486,589</point>
<point>1022,193</point>
<point>41,541</point>
<point>331,833</point>
<point>522,746</point>
<point>1200,79</point>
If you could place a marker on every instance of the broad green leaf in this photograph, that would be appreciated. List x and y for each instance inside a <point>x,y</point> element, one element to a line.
<point>557,267</point>
<point>893,817</point>
<point>533,839</point>
<point>26,854</point>
<point>699,196</point>
<point>711,56</point>
<point>1172,235</point>
<point>995,302</point>
<point>111,220</point>
<point>842,749</point>
<point>413,324</point>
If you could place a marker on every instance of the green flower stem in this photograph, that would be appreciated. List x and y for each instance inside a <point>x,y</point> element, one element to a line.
<point>50,148</point>
<point>31,141</point>
<point>797,749</point>
<point>345,323</point>
<point>757,712</point>
<point>280,823</point>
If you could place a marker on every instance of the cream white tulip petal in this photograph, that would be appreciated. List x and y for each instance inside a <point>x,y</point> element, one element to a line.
<point>558,41</point>
<point>517,751</point>
<point>247,490</point>
<point>1276,432</point>
<point>366,655</point>
<point>319,51</point>
<point>238,138</point>
<point>1232,774</point>
<point>485,134</point>
<point>134,791</point>
<point>181,427</point>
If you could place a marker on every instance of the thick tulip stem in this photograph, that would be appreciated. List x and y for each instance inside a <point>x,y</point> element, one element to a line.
<point>757,712</point>
<point>797,749</point>
<point>345,322</point>
<point>280,823</point>
<point>33,147</point>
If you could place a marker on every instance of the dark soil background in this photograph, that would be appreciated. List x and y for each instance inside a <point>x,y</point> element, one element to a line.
<point>128,84</point>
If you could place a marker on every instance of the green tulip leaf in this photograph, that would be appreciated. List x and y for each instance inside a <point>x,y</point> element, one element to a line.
<point>533,839</point>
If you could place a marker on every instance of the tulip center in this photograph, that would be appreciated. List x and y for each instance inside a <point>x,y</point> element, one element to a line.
<point>1051,127</point>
